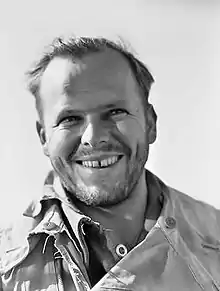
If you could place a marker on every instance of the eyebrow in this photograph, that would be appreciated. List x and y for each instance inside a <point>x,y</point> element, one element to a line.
<point>111,105</point>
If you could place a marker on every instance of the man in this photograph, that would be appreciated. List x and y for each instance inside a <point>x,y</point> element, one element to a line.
<point>103,221</point>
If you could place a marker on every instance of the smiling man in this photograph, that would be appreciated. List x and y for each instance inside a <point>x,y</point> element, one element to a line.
<point>103,221</point>
<point>94,129</point>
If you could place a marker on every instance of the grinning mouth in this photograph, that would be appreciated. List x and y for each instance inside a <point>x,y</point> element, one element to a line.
<point>100,163</point>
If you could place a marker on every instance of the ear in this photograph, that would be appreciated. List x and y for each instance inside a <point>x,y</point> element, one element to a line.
<point>152,124</point>
<point>42,135</point>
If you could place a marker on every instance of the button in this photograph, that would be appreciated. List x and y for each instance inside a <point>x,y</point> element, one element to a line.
<point>121,250</point>
<point>170,222</point>
<point>50,225</point>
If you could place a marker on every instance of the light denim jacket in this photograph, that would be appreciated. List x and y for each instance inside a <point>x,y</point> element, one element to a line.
<point>181,252</point>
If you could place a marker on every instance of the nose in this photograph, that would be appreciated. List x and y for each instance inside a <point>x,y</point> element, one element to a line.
<point>94,134</point>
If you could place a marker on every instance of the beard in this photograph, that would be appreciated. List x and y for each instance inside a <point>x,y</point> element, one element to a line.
<point>103,194</point>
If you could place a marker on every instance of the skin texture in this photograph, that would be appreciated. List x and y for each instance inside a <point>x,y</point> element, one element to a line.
<point>93,107</point>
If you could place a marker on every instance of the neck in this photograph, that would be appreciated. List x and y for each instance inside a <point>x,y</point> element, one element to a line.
<point>127,215</point>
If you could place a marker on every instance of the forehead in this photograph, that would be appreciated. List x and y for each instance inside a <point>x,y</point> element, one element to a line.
<point>104,73</point>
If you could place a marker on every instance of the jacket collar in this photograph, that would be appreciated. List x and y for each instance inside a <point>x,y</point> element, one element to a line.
<point>53,191</point>
<point>44,215</point>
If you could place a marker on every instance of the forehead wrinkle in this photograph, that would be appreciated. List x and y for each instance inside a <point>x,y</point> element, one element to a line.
<point>113,86</point>
<point>109,98</point>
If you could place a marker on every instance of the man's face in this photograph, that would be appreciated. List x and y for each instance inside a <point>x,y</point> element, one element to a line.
<point>96,134</point>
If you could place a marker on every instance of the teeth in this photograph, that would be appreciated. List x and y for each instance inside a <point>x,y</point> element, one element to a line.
<point>103,163</point>
<point>114,159</point>
<point>95,164</point>
<point>86,164</point>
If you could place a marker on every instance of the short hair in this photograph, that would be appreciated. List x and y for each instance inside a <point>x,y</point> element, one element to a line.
<point>77,47</point>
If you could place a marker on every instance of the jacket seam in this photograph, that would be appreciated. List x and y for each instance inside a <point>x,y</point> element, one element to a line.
<point>116,277</point>
<point>188,264</point>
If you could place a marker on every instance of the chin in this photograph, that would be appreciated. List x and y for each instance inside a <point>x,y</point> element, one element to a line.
<point>99,196</point>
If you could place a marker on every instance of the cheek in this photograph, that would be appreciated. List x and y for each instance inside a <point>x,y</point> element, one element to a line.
<point>133,130</point>
<point>62,143</point>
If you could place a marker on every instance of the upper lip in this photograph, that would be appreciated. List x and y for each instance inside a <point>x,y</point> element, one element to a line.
<point>97,157</point>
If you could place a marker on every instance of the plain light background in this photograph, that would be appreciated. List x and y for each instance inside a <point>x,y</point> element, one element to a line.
<point>178,40</point>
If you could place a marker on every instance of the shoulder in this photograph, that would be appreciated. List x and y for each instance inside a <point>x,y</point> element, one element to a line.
<point>199,214</point>
<point>189,211</point>
<point>15,233</point>
<point>12,235</point>
<point>5,237</point>
<point>188,201</point>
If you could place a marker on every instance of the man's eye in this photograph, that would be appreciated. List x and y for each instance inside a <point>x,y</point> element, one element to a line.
<point>119,111</point>
<point>69,120</point>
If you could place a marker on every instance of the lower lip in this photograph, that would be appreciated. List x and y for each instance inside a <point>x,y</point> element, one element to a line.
<point>91,169</point>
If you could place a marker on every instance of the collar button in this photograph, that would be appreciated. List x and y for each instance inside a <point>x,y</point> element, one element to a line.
<point>170,222</point>
<point>50,225</point>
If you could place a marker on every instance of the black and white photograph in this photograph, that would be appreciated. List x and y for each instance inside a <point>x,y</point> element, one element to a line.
<point>110,145</point>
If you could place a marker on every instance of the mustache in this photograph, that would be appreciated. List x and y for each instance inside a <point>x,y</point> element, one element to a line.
<point>105,148</point>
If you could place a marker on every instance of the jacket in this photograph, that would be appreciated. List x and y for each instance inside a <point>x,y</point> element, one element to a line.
<point>181,251</point>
